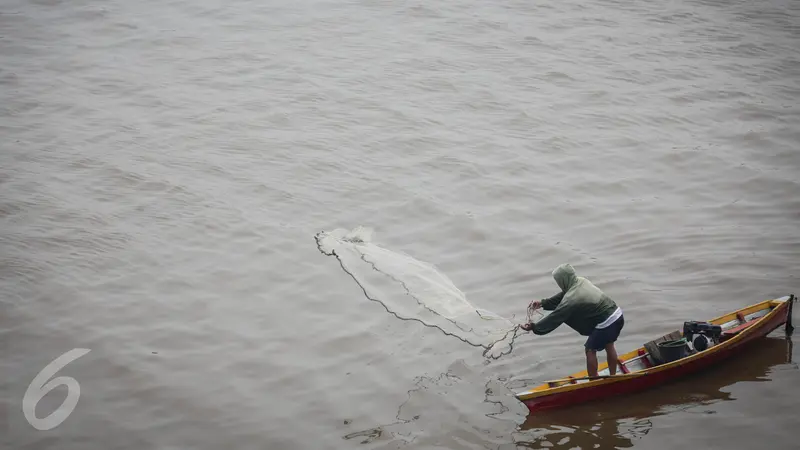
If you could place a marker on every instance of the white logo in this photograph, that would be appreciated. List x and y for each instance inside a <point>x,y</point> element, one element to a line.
<point>38,389</point>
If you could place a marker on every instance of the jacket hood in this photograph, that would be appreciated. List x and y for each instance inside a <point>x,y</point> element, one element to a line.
<point>565,277</point>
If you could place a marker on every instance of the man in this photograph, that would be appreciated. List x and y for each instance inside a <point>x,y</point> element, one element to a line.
<point>587,310</point>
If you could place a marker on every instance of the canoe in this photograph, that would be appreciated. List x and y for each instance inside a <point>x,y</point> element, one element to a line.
<point>650,366</point>
<point>623,422</point>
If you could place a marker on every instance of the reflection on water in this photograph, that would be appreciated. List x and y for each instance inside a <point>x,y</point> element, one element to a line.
<point>618,423</point>
<point>603,435</point>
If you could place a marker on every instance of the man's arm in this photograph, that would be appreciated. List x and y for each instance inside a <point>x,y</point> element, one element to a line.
<point>550,304</point>
<point>552,320</point>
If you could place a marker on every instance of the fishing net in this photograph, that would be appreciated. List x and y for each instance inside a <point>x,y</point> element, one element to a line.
<point>414,290</point>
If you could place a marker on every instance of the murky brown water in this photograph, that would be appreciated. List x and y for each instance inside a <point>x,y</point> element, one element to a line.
<point>165,165</point>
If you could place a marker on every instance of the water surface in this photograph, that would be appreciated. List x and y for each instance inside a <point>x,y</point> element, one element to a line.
<point>165,165</point>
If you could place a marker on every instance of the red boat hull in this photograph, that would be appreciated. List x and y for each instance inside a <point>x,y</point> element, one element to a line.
<point>656,378</point>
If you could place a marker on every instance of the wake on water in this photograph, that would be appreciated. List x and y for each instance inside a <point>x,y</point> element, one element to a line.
<point>414,290</point>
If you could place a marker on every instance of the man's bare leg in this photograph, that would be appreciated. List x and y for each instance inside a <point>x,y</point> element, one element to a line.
<point>613,361</point>
<point>591,362</point>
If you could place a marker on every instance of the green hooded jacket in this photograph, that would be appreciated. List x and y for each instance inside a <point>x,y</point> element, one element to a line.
<point>580,304</point>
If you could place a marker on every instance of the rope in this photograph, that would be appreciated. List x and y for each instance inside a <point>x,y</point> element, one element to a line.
<point>531,310</point>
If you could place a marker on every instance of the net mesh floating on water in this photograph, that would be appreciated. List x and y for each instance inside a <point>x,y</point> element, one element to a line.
<point>414,290</point>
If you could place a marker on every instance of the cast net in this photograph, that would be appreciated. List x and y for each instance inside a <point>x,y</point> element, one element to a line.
<point>415,290</point>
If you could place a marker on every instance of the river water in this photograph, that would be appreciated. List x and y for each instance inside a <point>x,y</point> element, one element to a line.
<point>164,166</point>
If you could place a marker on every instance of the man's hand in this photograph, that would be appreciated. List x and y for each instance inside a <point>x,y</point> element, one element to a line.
<point>527,326</point>
<point>536,304</point>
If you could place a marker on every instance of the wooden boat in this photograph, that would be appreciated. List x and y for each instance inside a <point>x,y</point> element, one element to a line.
<point>647,367</point>
<point>620,423</point>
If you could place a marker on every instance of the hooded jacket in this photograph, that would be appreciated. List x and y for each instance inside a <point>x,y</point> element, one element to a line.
<point>580,304</point>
